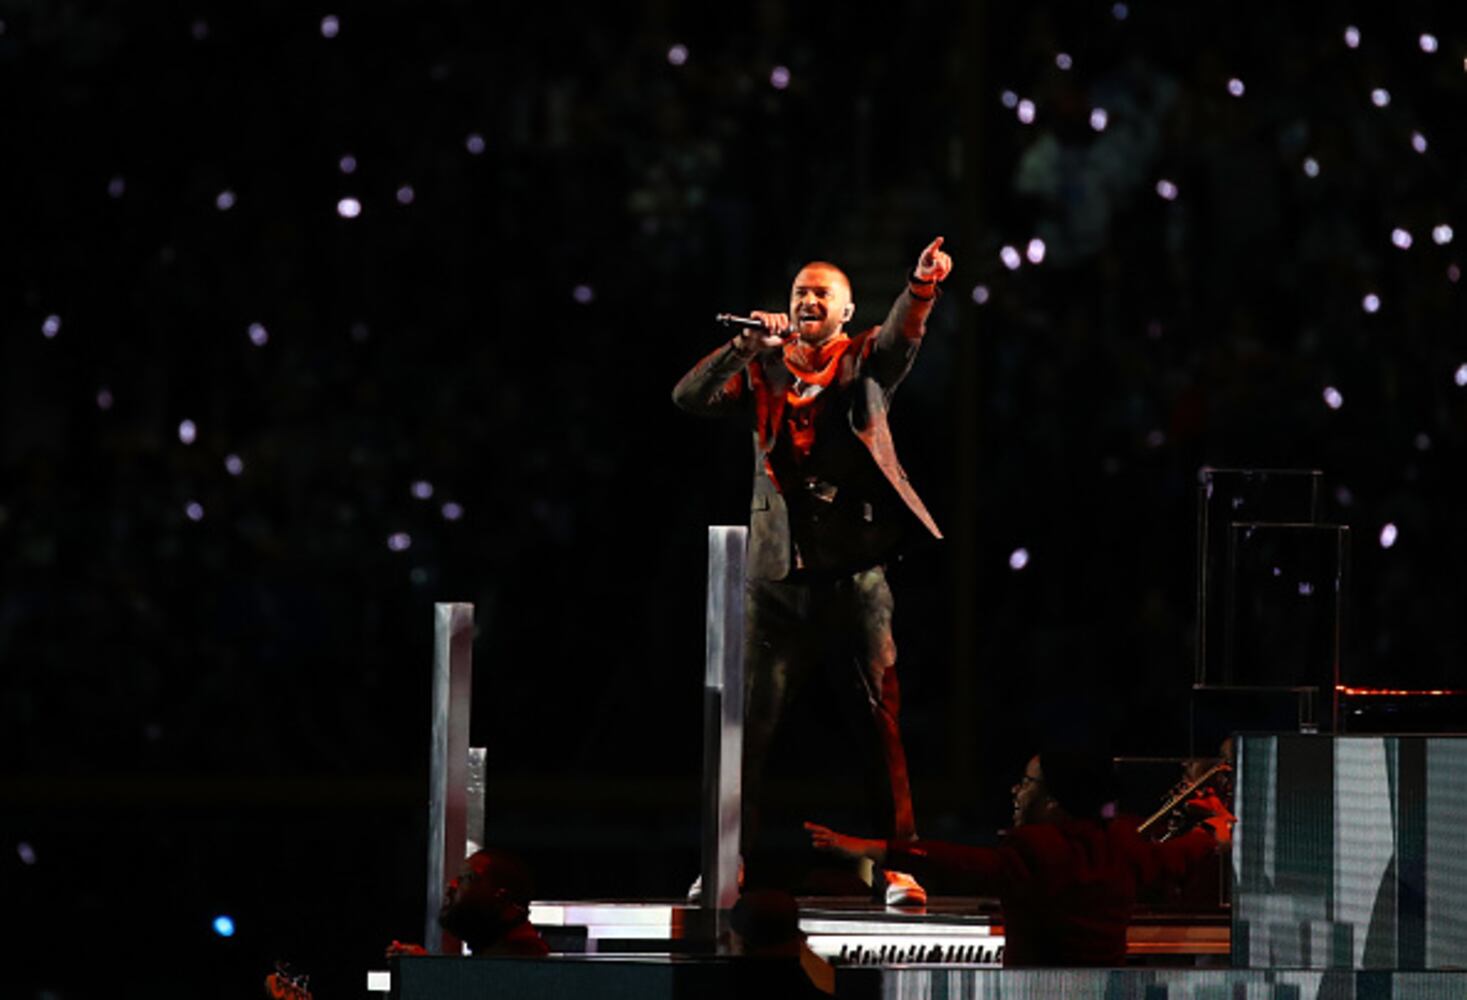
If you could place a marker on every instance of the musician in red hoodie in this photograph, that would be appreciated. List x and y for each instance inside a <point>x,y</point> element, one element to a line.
<point>1066,876</point>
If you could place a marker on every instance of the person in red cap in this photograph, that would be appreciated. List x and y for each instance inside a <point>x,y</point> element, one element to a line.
<point>831,506</point>
<point>1066,876</point>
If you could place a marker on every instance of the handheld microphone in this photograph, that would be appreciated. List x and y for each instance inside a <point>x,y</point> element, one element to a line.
<point>743,322</point>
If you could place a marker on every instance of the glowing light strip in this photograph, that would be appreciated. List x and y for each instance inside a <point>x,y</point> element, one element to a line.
<point>1392,692</point>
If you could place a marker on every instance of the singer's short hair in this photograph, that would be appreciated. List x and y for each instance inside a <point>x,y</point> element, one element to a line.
<point>828,266</point>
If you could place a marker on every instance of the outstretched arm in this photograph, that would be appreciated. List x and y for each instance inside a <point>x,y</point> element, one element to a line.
<point>982,869</point>
<point>895,346</point>
<point>715,385</point>
<point>823,838</point>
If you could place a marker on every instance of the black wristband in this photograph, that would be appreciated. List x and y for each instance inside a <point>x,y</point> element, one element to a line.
<point>930,286</point>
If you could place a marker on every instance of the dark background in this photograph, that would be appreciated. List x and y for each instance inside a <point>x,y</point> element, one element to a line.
<point>229,714</point>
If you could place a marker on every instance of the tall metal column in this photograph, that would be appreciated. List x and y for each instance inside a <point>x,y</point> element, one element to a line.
<point>475,834</point>
<point>723,719</point>
<point>448,760</point>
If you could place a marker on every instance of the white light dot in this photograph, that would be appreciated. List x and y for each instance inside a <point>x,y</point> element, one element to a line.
<point>1442,234</point>
<point>187,432</point>
<point>233,464</point>
<point>27,853</point>
<point>224,200</point>
<point>1035,251</point>
<point>1009,99</point>
<point>348,208</point>
<point>1454,273</point>
<point>199,30</point>
<point>1418,142</point>
<point>980,294</point>
<point>1305,588</point>
<point>104,398</point>
<point>259,336</point>
<point>1311,167</point>
<point>1010,257</point>
<point>1460,375</point>
<point>1380,97</point>
<point>1371,303</point>
<point>779,77</point>
<point>194,511</point>
<point>1063,60</point>
<point>1167,189</point>
<point>474,143</point>
<point>1344,497</point>
<point>1401,238</point>
<point>50,326</point>
<point>678,54</point>
<point>1025,111</point>
<point>116,187</point>
<point>1422,441</point>
<point>1388,535</point>
<point>1352,37</point>
<point>1120,12</point>
<point>583,294</point>
<point>1236,88</point>
<point>1099,119</point>
<point>406,194</point>
<point>399,541</point>
<point>330,26</point>
<point>1428,42</point>
<point>347,164</point>
<point>1333,398</point>
<point>422,490</point>
<point>1018,559</point>
<point>452,511</point>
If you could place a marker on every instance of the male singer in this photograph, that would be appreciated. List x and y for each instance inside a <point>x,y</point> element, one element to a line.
<point>831,506</point>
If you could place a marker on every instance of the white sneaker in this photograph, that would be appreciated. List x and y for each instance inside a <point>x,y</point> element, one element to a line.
<point>695,891</point>
<point>903,890</point>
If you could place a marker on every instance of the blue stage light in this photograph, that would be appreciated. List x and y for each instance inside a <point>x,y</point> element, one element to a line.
<point>224,926</point>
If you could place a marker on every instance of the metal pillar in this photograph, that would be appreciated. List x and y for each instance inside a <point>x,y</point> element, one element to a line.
<point>474,803</point>
<point>723,720</point>
<point>448,760</point>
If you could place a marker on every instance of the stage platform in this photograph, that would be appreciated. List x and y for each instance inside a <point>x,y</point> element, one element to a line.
<point>666,947</point>
<point>951,949</point>
<point>856,931</point>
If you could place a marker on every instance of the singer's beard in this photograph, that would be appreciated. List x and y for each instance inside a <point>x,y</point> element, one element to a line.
<point>817,335</point>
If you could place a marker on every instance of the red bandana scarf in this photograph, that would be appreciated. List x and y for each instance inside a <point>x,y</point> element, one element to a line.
<point>813,368</point>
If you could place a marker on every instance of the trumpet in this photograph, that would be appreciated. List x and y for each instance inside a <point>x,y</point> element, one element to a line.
<point>1180,794</point>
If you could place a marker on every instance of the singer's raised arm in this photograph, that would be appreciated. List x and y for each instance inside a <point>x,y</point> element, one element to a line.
<point>895,345</point>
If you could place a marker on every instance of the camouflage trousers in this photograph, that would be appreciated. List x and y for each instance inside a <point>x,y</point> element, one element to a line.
<point>835,631</point>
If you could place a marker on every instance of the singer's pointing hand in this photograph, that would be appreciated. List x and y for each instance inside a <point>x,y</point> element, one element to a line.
<point>933,264</point>
<point>776,330</point>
